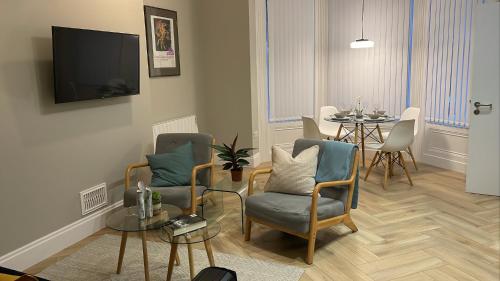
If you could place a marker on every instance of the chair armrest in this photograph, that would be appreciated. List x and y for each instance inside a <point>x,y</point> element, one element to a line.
<point>194,174</point>
<point>252,178</point>
<point>350,183</point>
<point>129,170</point>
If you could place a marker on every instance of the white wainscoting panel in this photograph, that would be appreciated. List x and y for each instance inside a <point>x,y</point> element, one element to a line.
<point>445,147</point>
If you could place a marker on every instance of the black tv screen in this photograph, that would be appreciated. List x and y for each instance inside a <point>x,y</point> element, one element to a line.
<point>92,64</point>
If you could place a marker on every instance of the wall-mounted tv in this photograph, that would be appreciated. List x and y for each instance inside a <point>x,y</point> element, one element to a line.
<point>91,64</point>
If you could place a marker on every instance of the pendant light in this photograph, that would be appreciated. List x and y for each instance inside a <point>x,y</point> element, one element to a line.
<point>362,43</point>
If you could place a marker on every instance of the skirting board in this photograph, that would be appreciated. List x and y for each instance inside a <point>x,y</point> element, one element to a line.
<point>54,242</point>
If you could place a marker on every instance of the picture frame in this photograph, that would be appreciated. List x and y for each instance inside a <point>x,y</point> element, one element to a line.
<point>162,42</point>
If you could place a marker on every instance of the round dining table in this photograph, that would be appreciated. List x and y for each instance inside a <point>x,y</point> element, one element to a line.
<point>358,130</point>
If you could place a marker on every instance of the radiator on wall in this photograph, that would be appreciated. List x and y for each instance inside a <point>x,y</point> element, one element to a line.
<point>180,125</point>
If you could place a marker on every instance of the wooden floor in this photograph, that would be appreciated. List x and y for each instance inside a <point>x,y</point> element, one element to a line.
<point>433,231</point>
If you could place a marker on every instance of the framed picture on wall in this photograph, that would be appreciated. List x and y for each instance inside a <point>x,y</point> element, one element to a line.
<point>162,42</point>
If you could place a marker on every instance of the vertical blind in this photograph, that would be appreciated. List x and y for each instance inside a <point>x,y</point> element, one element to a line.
<point>290,59</point>
<point>379,75</point>
<point>448,62</point>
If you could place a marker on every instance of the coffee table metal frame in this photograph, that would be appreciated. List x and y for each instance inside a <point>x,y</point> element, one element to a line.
<point>228,186</point>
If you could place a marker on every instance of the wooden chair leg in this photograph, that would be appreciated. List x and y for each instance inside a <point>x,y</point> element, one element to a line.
<point>310,246</point>
<point>386,174</point>
<point>248,229</point>
<point>405,168</point>
<point>375,158</point>
<point>349,223</point>
<point>412,158</point>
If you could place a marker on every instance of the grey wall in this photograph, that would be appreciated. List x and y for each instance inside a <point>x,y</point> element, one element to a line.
<point>224,50</point>
<point>175,96</point>
<point>49,152</point>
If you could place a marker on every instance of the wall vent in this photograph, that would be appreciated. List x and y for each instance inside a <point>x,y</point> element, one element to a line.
<point>93,198</point>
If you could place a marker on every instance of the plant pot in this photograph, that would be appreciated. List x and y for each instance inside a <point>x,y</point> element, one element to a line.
<point>156,209</point>
<point>237,175</point>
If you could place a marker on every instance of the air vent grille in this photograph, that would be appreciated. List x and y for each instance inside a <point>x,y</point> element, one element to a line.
<point>93,198</point>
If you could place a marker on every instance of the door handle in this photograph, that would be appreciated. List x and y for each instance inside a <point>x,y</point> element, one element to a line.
<point>478,105</point>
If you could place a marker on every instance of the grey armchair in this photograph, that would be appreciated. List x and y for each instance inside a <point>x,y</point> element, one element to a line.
<point>302,215</point>
<point>185,197</point>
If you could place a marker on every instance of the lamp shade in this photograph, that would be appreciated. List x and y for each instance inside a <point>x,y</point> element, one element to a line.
<point>362,43</point>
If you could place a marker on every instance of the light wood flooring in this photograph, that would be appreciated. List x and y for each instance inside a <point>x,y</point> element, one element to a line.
<point>432,231</point>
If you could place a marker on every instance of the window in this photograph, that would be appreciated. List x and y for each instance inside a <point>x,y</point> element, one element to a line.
<point>290,59</point>
<point>448,62</point>
<point>378,75</point>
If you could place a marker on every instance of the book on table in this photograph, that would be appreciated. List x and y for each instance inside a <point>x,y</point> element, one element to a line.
<point>184,224</point>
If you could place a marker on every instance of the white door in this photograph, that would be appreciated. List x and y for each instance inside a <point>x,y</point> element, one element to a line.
<point>483,168</point>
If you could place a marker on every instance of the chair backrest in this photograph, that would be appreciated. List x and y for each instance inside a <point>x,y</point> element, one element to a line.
<point>412,113</point>
<point>303,144</point>
<point>310,128</point>
<point>327,127</point>
<point>202,152</point>
<point>400,137</point>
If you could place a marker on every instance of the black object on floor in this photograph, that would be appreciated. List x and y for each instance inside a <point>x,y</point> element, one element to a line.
<point>21,274</point>
<point>215,274</point>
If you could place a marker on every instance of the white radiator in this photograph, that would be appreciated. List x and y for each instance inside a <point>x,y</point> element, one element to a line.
<point>180,125</point>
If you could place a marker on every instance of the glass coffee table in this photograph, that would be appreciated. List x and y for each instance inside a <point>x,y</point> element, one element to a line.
<point>227,185</point>
<point>201,235</point>
<point>126,220</point>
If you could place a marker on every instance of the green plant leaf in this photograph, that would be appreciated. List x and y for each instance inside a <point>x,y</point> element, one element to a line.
<point>243,162</point>
<point>220,148</point>
<point>227,166</point>
<point>225,157</point>
<point>233,146</point>
<point>242,154</point>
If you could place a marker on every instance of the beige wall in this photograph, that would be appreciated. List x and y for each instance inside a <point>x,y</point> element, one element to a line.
<point>224,50</point>
<point>49,152</point>
<point>175,96</point>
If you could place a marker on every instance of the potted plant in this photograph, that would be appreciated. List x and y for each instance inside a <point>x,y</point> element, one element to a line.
<point>235,159</point>
<point>156,196</point>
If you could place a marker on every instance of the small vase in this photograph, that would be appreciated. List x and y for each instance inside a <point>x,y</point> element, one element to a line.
<point>236,175</point>
<point>156,209</point>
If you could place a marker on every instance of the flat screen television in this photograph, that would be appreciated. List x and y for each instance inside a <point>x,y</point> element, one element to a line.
<point>91,64</point>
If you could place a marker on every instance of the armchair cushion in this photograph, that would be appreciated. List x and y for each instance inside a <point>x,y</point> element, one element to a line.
<point>172,168</point>
<point>179,196</point>
<point>290,211</point>
<point>293,175</point>
<point>334,163</point>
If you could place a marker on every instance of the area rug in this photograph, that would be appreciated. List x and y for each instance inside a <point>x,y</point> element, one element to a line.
<point>98,259</point>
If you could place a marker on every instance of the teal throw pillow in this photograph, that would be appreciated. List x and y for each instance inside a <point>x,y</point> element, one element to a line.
<point>172,168</point>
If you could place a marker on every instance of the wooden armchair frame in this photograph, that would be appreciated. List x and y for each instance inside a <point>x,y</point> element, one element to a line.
<point>314,224</point>
<point>195,200</point>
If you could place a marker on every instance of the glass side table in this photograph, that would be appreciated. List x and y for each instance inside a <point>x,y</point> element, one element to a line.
<point>126,220</point>
<point>201,235</point>
<point>227,185</point>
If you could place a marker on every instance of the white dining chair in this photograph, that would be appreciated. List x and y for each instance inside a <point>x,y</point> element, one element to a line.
<point>328,128</point>
<point>399,139</point>
<point>411,113</point>
<point>310,128</point>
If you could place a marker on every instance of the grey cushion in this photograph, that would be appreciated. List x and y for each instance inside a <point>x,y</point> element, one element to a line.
<point>339,193</point>
<point>290,211</point>
<point>179,196</point>
<point>202,151</point>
